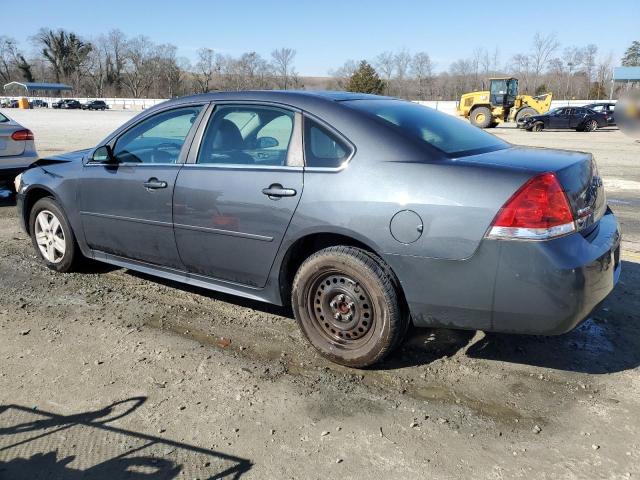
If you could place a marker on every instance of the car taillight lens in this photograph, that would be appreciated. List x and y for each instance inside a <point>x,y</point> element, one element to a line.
<point>539,210</point>
<point>22,135</point>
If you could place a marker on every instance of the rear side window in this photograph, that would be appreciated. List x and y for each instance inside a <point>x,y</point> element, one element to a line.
<point>445,132</point>
<point>322,148</point>
<point>3,118</point>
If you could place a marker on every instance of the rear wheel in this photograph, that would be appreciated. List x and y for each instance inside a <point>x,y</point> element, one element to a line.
<point>481,117</point>
<point>52,236</point>
<point>590,126</point>
<point>348,307</point>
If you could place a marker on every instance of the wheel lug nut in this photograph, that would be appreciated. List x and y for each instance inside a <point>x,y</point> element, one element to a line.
<point>349,317</point>
<point>333,304</point>
<point>337,316</point>
<point>341,297</point>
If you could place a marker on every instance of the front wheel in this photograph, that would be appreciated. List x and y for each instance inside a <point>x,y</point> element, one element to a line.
<point>348,307</point>
<point>52,236</point>
<point>481,117</point>
<point>537,127</point>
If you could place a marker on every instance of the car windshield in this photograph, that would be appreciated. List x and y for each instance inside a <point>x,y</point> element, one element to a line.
<point>451,135</point>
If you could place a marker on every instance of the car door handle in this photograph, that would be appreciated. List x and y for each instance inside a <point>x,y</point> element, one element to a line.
<point>276,191</point>
<point>154,184</point>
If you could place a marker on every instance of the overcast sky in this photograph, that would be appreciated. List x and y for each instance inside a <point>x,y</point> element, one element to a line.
<point>326,33</point>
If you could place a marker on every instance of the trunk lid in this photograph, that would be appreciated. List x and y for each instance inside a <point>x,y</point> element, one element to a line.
<point>576,171</point>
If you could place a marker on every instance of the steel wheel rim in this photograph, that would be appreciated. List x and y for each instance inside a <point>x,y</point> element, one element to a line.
<point>592,125</point>
<point>50,237</point>
<point>340,309</point>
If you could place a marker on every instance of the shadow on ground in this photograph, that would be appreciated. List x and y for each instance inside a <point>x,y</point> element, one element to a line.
<point>35,444</point>
<point>7,198</point>
<point>608,342</point>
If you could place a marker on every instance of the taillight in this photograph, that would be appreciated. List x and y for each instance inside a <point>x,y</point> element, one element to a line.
<point>539,210</point>
<point>22,135</point>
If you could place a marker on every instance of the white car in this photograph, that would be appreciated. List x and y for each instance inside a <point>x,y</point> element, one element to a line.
<point>17,149</point>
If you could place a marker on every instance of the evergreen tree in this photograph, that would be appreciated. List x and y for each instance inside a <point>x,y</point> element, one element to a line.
<point>365,80</point>
<point>632,55</point>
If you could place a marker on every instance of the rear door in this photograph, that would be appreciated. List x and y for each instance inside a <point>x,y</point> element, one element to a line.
<point>578,117</point>
<point>236,195</point>
<point>126,207</point>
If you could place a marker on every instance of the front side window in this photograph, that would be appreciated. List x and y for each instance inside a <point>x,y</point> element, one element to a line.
<point>322,148</point>
<point>445,132</point>
<point>247,135</point>
<point>157,139</point>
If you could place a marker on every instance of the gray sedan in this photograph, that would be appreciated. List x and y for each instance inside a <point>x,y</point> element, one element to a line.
<point>363,213</point>
<point>17,149</point>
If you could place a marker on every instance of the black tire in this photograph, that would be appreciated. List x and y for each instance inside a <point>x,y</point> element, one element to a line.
<point>72,257</point>
<point>481,117</point>
<point>589,126</point>
<point>348,306</point>
<point>525,113</point>
<point>537,127</point>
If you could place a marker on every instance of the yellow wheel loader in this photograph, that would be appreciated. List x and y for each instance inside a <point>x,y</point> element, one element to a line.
<point>502,103</point>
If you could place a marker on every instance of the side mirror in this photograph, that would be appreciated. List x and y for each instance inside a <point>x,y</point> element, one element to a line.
<point>267,142</point>
<point>103,154</point>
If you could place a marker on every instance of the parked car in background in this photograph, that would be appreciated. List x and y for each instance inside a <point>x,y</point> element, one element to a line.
<point>9,103</point>
<point>67,103</point>
<point>38,104</point>
<point>17,149</point>
<point>577,118</point>
<point>364,213</point>
<point>606,108</point>
<point>95,105</point>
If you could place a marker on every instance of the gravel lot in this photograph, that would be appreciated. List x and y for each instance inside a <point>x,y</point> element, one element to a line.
<point>108,371</point>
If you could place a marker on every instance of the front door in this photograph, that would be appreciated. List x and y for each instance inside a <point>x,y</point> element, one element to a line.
<point>235,197</point>
<point>126,205</point>
<point>560,119</point>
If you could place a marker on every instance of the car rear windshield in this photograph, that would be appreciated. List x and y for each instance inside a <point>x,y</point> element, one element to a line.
<point>453,136</point>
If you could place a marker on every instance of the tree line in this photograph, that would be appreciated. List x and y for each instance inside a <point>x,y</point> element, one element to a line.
<point>116,65</point>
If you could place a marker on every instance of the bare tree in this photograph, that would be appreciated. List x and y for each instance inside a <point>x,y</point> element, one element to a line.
<point>66,52</point>
<point>138,74</point>
<point>342,75</point>
<point>589,62</point>
<point>282,61</point>
<point>402,61</point>
<point>544,46</point>
<point>422,71</point>
<point>205,69</point>
<point>115,49</point>
<point>8,57</point>
<point>573,58</point>
<point>385,64</point>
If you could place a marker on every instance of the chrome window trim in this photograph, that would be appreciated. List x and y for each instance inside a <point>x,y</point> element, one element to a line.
<point>337,133</point>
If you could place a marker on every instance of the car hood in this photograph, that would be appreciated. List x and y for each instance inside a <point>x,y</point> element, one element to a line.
<point>76,156</point>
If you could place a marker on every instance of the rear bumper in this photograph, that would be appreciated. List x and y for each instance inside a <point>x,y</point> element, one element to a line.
<point>10,166</point>
<point>543,288</point>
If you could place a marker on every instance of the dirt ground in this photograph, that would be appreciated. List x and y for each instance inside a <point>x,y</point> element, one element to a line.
<point>110,374</point>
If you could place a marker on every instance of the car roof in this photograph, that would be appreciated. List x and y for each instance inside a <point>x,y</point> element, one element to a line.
<point>296,98</point>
